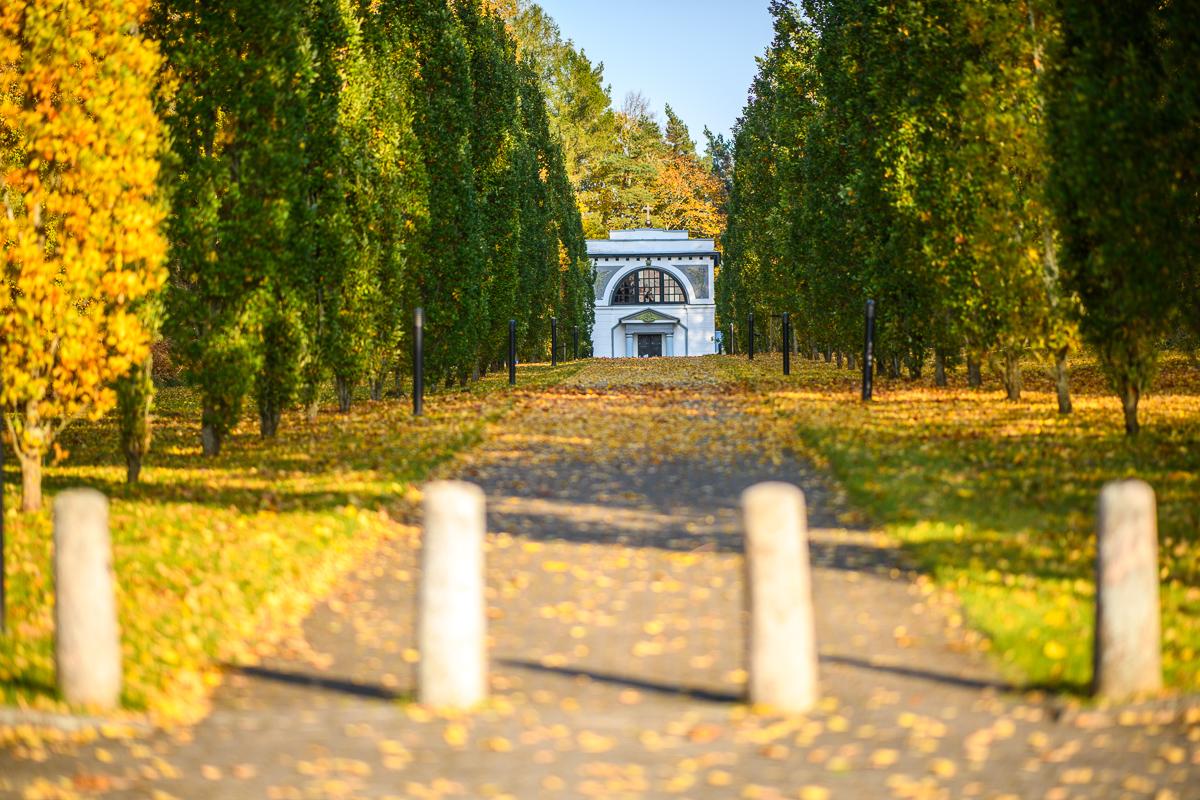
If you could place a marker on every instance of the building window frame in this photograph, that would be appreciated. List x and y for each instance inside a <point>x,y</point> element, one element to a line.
<point>649,286</point>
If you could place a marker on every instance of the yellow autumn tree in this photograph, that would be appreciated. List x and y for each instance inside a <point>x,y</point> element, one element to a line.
<point>687,194</point>
<point>79,145</point>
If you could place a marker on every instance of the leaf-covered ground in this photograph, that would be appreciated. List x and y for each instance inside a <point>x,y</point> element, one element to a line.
<point>996,500</point>
<point>616,624</point>
<point>216,558</point>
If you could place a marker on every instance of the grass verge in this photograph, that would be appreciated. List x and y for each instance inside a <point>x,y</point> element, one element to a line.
<point>216,558</point>
<point>996,500</point>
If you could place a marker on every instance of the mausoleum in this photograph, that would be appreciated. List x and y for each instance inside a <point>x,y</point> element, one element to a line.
<point>654,294</point>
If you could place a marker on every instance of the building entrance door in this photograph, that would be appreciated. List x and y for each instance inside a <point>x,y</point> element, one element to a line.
<point>649,344</point>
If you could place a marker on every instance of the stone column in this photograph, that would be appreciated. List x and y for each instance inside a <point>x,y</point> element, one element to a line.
<point>87,641</point>
<point>1127,655</point>
<point>669,344</point>
<point>630,349</point>
<point>782,641</point>
<point>452,627</point>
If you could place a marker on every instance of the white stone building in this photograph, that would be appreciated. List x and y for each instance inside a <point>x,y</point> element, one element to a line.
<point>654,294</point>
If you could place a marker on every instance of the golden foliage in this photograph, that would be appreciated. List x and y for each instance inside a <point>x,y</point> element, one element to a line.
<point>996,500</point>
<point>217,562</point>
<point>79,141</point>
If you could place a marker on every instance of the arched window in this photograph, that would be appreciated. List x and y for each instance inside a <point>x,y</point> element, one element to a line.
<point>648,286</point>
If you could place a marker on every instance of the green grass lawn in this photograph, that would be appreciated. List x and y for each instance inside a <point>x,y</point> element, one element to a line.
<point>216,558</point>
<point>996,500</point>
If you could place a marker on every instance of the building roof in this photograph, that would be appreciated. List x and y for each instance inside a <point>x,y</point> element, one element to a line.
<point>650,242</point>
<point>643,234</point>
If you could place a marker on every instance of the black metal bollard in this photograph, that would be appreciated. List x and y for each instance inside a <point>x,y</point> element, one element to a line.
<point>512,352</point>
<point>869,353</point>
<point>418,361</point>
<point>750,334</point>
<point>575,342</point>
<point>554,341</point>
<point>787,344</point>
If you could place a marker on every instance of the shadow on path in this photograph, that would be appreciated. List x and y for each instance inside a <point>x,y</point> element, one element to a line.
<point>307,680</point>
<point>671,689</point>
<point>919,674</point>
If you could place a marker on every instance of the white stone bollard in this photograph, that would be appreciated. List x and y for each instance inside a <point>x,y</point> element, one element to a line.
<point>452,626</point>
<point>87,645</point>
<point>1127,654</point>
<point>782,642</point>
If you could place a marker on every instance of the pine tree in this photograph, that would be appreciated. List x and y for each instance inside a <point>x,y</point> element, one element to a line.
<point>679,140</point>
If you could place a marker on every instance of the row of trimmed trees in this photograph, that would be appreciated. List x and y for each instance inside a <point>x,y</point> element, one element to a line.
<point>276,186</point>
<point>1003,178</point>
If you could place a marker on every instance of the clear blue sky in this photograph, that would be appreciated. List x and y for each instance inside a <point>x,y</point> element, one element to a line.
<point>697,55</point>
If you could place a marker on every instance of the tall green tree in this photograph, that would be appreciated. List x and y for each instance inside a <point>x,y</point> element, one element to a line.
<point>898,152</point>
<point>495,138</point>
<point>337,254</point>
<point>398,190</point>
<point>1124,116</point>
<point>236,133</point>
<point>450,287</point>
<point>579,106</point>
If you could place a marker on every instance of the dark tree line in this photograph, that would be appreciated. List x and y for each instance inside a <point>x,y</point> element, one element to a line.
<point>1001,177</point>
<point>334,164</point>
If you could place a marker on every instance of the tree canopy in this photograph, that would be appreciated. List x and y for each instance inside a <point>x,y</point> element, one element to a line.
<point>999,177</point>
<point>329,166</point>
<point>620,162</point>
<point>79,148</point>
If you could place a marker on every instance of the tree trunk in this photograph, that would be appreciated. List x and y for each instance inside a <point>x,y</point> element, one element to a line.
<point>377,388</point>
<point>269,415</point>
<point>345,393</point>
<point>135,392</point>
<point>851,361</point>
<point>1062,381</point>
<point>1012,374</point>
<point>210,433</point>
<point>310,398</point>
<point>210,441</point>
<point>133,467</point>
<point>1129,404</point>
<point>828,355</point>
<point>914,368</point>
<point>31,482</point>
<point>894,367</point>
<point>838,358</point>
<point>974,372</point>
<point>939,368</point>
